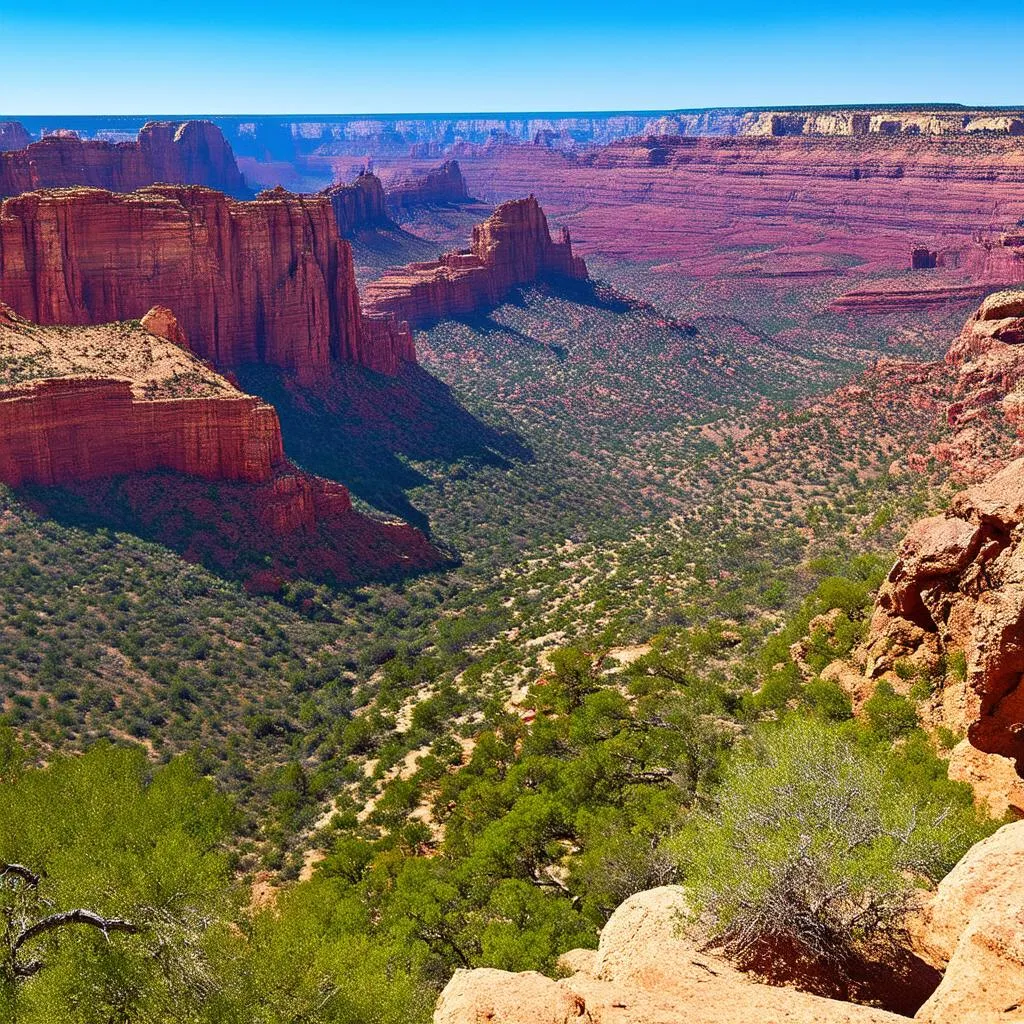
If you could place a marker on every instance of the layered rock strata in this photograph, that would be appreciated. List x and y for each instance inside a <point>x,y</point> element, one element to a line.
<point>100,410</point>
<point>267,281</point>
<point>176,152</point>
<point>512,247</point>
<point>359,205</point>
<point>440,185</point>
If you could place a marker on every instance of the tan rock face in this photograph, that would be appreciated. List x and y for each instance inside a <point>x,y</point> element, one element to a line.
<point>645,973</point>
<point>957,588</point>
<point>512,247</point>
<point>974,928</point>
<point>179,152</point>
<point>267,281</point>
<point>164,324</point>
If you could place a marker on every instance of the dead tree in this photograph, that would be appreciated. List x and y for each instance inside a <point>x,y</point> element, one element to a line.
<point>18,929</point>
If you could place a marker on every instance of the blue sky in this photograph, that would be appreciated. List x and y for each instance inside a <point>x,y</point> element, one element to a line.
<point>158,56</point>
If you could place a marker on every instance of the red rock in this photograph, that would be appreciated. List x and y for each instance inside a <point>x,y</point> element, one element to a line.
<point>266,281</point>
<point>164,324</point>
<point>177,152</point>
<point>511,248</point>
<point>438,186</point>
<point>837,205</point>
<point>13,136</point>
<point>96,410</point>
<point>359,206</point>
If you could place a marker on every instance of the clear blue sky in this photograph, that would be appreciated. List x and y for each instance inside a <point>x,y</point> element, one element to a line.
<point>178,56</point>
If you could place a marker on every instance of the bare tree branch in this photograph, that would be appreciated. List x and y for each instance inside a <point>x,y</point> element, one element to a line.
<point>66,917</point>
<point>29,877</point>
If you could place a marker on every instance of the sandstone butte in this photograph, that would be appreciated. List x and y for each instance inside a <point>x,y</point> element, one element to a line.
<point>82,405</point>
<point>439,185</point>
<point>264,281</point>
<point>512,247</point>
<point>650,969</point>
<point>359,205</point>
<point>175,152</point>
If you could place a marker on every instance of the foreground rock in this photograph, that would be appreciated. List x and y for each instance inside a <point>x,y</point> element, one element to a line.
<point>175,152</point>
<point>974,930</point>
<point>268,281</point>
<point>644,973</point>
<point>512,247</point>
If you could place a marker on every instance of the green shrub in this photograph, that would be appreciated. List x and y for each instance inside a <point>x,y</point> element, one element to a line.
<point>818,839</point>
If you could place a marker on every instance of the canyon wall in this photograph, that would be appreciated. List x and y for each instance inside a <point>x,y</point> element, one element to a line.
<point>512,247</point>
<point>185,152</point>
<point>98,410</point>
<point>774,208</point>
<point>81,403</point>
<point>266,281</point>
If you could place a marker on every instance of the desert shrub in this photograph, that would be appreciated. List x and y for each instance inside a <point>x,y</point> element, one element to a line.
<point>889,714</point>
<point>818,839</point>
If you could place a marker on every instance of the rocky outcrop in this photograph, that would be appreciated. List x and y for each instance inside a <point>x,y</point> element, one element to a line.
<point>512,247</point>
<point>77,404</point>
<point>13,136</point>
<point>175,152</point>
<point>442,185</point>
<point>973,929</point>
<point>360,205</point>
<point>266,281</point>
<point>100,410</point>
<point>645,972</point>
<point>923,258</point>
<point>957,589</point>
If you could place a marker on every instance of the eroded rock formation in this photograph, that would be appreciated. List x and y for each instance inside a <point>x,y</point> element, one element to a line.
<point>438,186</point>
<point>953,604</point>
<point>360,205</point>
<point>97,410</point>
<point>81,403</point>
<point>512,247</point>
<point>266,281</point>
<point>175,152</point>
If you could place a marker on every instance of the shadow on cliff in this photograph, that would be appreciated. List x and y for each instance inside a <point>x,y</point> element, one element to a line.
<point>245,532</point>
<point>362,428</point>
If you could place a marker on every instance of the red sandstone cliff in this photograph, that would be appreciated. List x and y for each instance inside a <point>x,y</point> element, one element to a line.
<point>360,205</point>
<point>266,281</point>
<point>183,152</point>
<point>512,247</point>
<point>439,185</point>
<point>81,406</point>
<point>13,136</point>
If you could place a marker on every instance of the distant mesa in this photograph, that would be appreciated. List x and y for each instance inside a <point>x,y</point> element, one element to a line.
<point>175,152</point>
<point>91,408</point>
<point>443,185</point>
<point>266,281</point>
<point>513,247</point>
<point>13,136</point>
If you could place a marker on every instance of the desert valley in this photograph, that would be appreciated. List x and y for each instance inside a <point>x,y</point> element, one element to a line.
<point>526,568</point>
